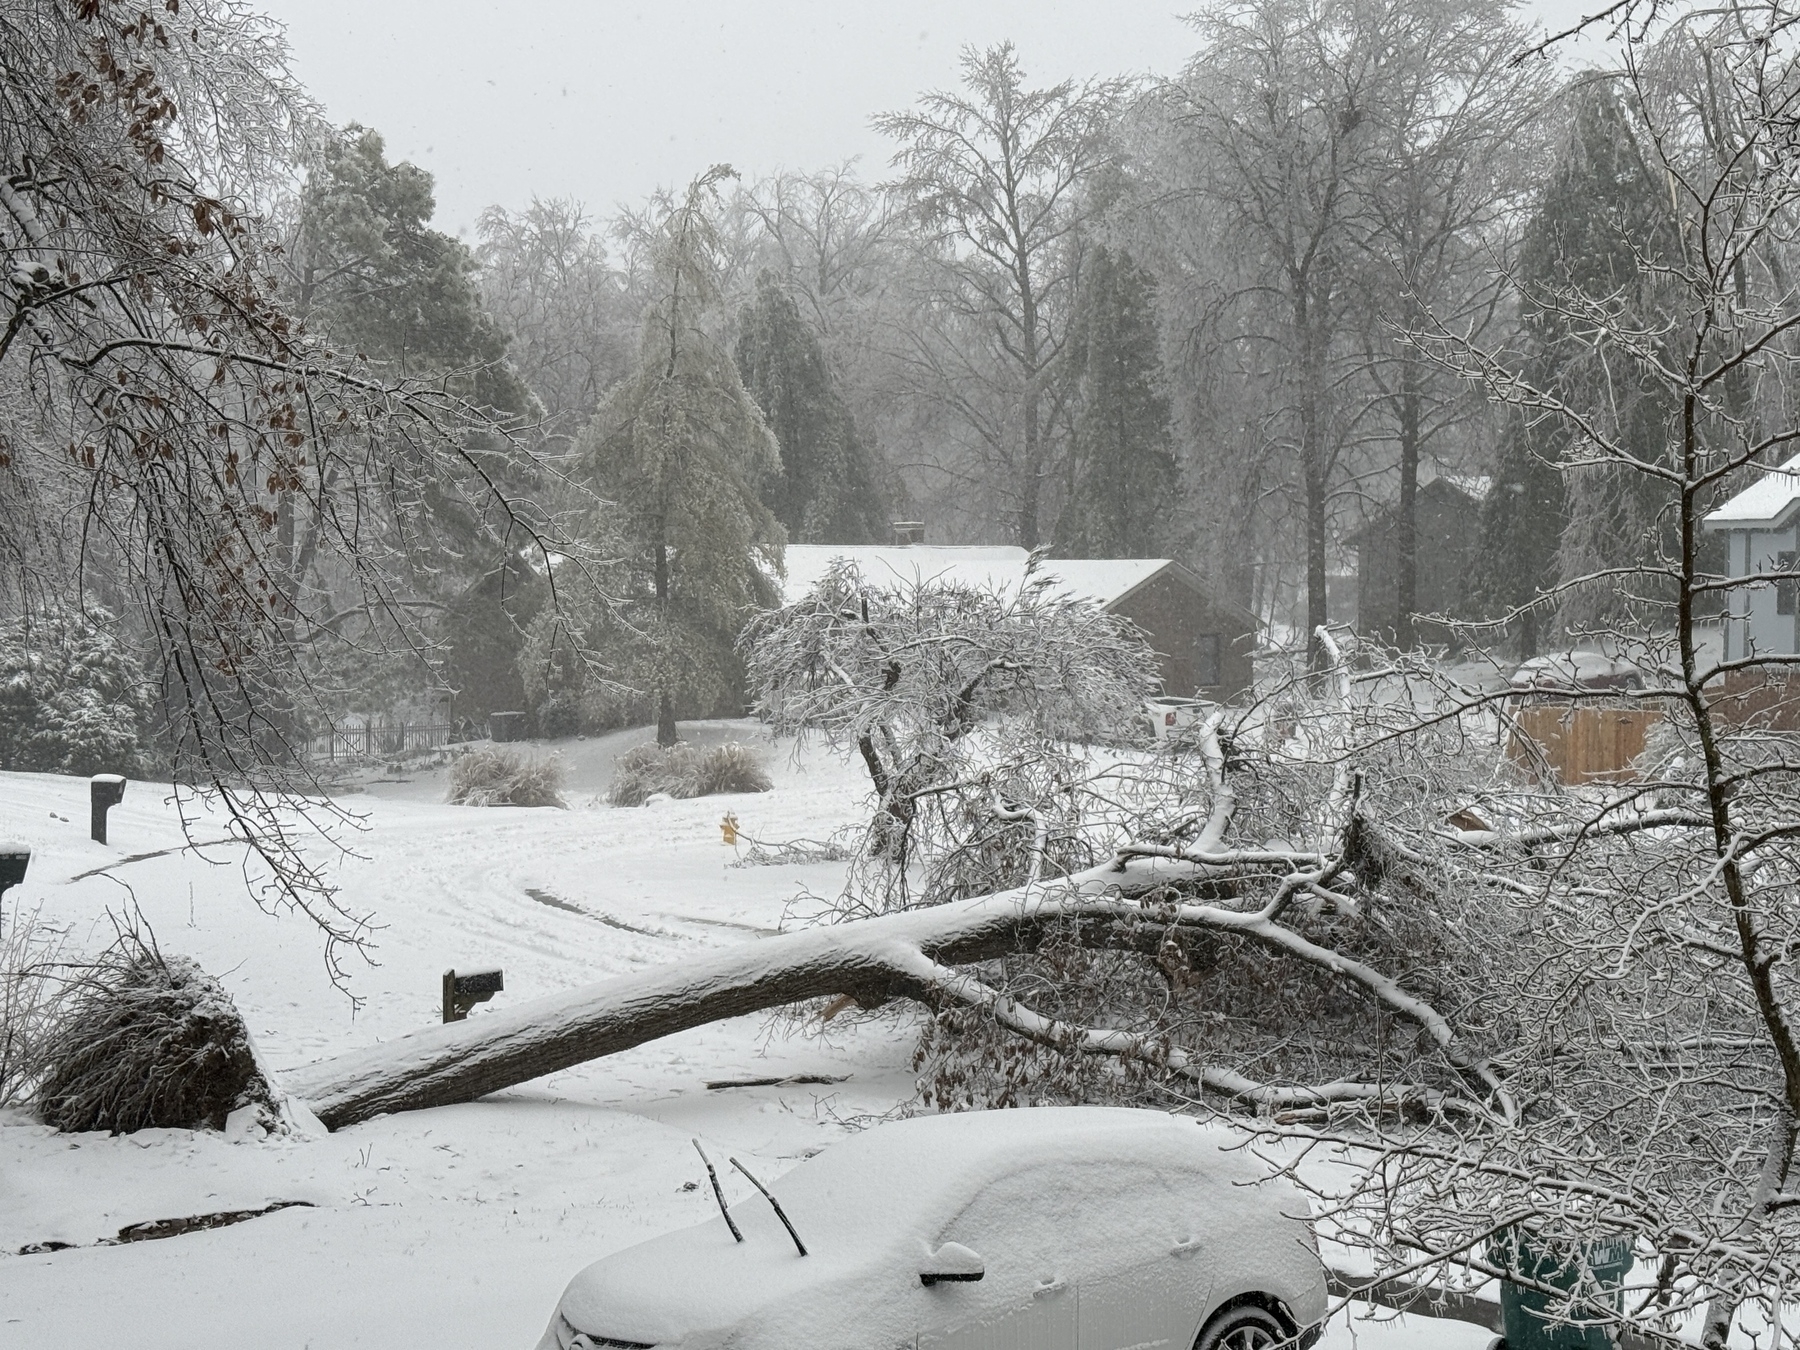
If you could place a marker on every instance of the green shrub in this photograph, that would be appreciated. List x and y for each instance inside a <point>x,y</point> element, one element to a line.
<point>504,777</point>
<point>72,699</point>
<point>686,771</point>
<point>557,717</point>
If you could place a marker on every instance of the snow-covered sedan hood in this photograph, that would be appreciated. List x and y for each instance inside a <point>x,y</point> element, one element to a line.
<point>697,1288</point>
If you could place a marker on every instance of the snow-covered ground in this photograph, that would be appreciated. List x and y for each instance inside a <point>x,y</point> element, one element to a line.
<point>454,1227</point>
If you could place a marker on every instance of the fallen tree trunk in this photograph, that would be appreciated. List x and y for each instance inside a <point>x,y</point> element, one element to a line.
<point>911,954</point>
<point>869,960</point>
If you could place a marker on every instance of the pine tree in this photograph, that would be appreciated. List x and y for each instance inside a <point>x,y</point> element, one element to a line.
<point>73,698</point>
<point>367,269</point>
<point>828,490</point>
<point>1522,522</point>
<point>1597,216</point>
<point>1124,470</point>
<point>682,450</point>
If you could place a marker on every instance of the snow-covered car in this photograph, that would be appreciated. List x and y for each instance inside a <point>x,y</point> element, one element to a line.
<point>1563,673</point>
<point>1054,1228</point>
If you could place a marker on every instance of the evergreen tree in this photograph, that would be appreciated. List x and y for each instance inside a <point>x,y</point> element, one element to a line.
<point>368,272</point>
<point>828,489</point>
<point>682,449</point>
<point>73,698</point>
<point>367,269</point>
<point>1600,214</point>
<point>1124,472</point>
<point>1522,522</point>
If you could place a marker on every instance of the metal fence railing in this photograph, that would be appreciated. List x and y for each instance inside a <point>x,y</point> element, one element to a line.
<point>381,740</point>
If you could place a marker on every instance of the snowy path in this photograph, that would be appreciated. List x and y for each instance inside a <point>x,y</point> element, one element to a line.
<point>456,1227</point>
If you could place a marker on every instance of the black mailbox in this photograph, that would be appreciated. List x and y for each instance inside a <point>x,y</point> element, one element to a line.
<point>464,989</point>
<point>105,791</point>
<point>14,859</point>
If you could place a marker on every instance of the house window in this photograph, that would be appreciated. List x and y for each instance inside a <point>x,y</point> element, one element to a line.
<point>1788,587</point>
<point>1206,660</point>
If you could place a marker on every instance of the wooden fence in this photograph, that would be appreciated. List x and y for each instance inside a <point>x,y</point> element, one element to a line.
<point>1762,698</point>
<point>1579,744</point>
<point>380,740</point>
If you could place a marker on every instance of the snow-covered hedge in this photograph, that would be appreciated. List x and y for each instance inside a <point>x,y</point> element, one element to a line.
<point>148,1041</point>
<point>501,777</point>
<point>73,699</point>
<point>686,771</point>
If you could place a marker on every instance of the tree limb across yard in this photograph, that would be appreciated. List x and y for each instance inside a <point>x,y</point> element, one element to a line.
<point>911,954</point>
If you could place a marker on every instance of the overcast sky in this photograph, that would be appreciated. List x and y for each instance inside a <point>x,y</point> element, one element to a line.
<point>605,100</point>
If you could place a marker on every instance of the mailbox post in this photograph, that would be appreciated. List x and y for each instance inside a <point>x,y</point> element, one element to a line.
<point>463,990</point>
<point>105,791</point>
<point>14,859</point>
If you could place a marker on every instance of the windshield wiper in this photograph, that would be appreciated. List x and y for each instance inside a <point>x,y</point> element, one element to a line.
<point>773,1204</point>
<point>718,1194</point>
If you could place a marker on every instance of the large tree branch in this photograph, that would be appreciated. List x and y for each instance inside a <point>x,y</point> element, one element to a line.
<point>871,960</point>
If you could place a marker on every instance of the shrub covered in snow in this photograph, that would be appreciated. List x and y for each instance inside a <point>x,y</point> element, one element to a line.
<point>685,770</point>
<point>146,1041</point>
<point>505,777</point>
<point>558,716</point>
<point>33,978</point>
<point>73,699</point>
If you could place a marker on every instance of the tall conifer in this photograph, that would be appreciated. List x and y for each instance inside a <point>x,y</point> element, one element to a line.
<point>828,490</point>
<point>1124,471</point>
<point>1600,213</point>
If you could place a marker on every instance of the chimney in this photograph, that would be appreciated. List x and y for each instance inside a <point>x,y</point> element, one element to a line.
<point>908,532</point>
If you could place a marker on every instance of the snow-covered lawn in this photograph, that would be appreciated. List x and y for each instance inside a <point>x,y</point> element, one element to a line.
<point>455,1227</point>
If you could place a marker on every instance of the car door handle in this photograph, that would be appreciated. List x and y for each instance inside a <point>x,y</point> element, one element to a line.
<point>1186,1247</point>
<point>1048,1287</point>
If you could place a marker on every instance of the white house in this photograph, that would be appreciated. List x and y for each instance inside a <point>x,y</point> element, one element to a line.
<point>1761,526</point>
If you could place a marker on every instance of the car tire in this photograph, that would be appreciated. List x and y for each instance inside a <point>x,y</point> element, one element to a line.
<point>1245,1327</point>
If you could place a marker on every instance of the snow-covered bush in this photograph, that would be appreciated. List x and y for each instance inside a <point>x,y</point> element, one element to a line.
<point>33,979</point>
<point>147,1041</point>
<point>73,699</point>
<point>684,771</point>
<point>558,716</point>
<point>505,777</point>
<point>967,707</point>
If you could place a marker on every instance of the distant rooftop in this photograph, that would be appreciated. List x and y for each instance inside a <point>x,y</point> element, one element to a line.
<point>1769,502</point>
<point>998,567</point>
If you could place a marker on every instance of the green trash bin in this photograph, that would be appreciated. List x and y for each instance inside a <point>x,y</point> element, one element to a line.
<point>1522,1310</point>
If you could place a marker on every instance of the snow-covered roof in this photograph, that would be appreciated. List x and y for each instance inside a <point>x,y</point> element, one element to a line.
<point>991,567</point>
<point>1475,486</point>
<point>982,565</point>
<point>1104,580</point>
<point>1769,502</point>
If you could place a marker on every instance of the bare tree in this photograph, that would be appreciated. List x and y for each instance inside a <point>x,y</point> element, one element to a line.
<point>546,278</point>
<point>1451,129</point>
<point>1001,178</point>
<point>959,701</point>
<point>1275,109</point>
